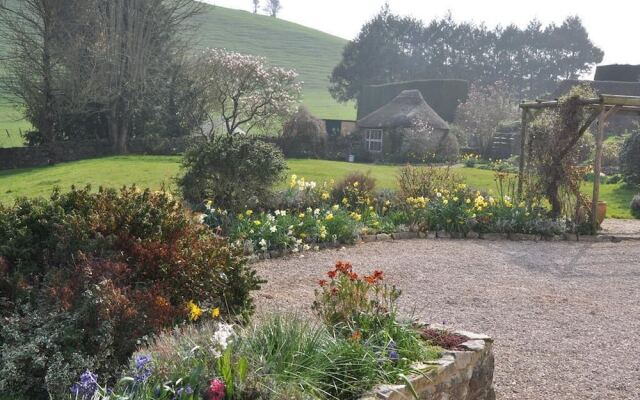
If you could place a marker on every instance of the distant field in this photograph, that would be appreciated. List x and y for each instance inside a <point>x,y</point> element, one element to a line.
<point>313,54</point>
<point>157,171</point>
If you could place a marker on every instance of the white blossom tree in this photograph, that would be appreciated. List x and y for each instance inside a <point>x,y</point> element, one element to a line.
<point>478,117</point>
<point>244,92</point>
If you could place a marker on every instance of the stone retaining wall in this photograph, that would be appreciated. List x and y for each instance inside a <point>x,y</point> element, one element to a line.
<point>457,375</point>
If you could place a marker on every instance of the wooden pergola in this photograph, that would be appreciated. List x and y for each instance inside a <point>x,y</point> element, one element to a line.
<point>602,108</point>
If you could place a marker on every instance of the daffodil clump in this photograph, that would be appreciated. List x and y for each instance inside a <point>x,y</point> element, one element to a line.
<point>358,211</point>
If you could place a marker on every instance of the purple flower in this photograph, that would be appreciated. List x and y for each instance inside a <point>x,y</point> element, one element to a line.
<point>86,387</point>
<point>144,368</point>
<point>393,351</point>
<point>187,390</point>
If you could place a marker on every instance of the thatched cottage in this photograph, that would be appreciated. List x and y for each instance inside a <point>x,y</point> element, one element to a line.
<point>406,128</point>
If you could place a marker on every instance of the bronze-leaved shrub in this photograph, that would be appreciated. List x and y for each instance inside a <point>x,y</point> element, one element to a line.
<point>84,276</point>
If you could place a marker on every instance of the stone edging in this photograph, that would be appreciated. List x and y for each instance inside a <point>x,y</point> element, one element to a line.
<point>460,375</point>
<point>570,237</point>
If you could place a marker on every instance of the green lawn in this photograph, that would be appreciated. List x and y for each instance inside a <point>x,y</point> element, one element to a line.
<point>156,171</point>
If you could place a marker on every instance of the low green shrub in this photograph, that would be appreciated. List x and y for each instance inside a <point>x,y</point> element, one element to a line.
<point>354,190</point>
<point>84,276</point>
<point>234,172</point>
<point>426,181</point>
<point>630,159</point>
<point>304,136</point>
<point>635,206</point>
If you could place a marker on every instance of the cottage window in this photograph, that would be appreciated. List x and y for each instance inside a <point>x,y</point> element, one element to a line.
<point>373,139</point>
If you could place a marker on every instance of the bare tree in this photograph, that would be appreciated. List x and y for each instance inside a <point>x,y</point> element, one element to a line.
<point>29,28</point>
<point>273,7</point>
<point>243,92</point>
<point>81,57</point>
<point>256,6</point>
<point>138,34</point>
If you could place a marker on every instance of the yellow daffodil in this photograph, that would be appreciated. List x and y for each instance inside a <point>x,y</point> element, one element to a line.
<point>195,312</point>
<point>215,313</point>
<point>257,223</point>
<point>249,213</point>
<point>329,216</point>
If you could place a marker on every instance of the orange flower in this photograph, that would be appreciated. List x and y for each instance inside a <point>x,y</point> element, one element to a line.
<point>343,267</point>
<point>356,336</point>
<point>378,275</point>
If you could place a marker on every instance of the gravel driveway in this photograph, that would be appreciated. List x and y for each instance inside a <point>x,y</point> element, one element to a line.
<point>565,315</point>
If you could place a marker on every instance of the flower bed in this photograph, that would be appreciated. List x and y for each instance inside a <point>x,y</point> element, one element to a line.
<point>313,216</point>
<point>361,342</point>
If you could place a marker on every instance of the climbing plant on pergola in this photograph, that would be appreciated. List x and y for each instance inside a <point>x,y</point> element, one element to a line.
<point>599,109</point>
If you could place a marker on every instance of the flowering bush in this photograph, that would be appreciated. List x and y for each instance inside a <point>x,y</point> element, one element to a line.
<point>355,190</point>
<point>94,273</point>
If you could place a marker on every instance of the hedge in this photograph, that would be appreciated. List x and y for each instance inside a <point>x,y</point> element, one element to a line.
<point>443,95</point>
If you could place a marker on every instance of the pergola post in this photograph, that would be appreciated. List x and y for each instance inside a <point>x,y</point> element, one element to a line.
<point>597,167</point>
<point>523,141</point>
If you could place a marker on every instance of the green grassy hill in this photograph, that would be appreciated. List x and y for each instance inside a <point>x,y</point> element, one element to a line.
<point>312,53</point>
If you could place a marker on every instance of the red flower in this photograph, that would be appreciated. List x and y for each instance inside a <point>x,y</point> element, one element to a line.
<point>216,390</point>
<point>353,276</point>
<point>331,274</point>
<point>322,282</point>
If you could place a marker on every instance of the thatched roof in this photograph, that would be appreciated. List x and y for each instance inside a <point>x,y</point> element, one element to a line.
<point>402,112</point>
<point>601,87</point>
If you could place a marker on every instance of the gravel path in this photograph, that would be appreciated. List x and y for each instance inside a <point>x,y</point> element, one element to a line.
<point>624,227</point>
<point>565,316</point>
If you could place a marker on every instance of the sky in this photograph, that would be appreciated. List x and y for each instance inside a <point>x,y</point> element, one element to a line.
<point>612,28</point>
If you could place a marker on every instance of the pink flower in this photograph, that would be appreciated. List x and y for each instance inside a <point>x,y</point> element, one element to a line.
<point>216,390</point>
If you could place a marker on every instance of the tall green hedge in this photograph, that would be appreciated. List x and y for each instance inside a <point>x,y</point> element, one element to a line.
<point>618,73</point>
<point>443,95</point>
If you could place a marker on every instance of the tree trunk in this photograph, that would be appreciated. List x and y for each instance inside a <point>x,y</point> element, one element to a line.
<point>118,128</point>
<point>47,116</point>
